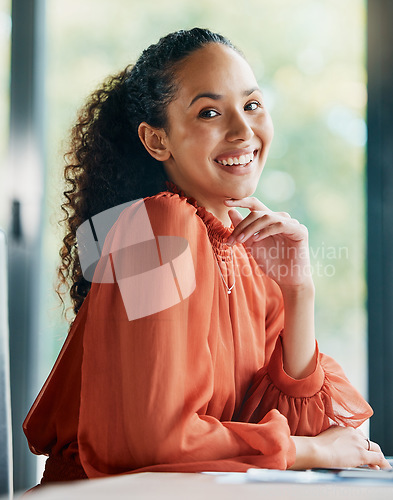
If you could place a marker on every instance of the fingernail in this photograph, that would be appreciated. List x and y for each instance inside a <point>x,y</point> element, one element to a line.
<point>230,240</point>
<point>240,237</point>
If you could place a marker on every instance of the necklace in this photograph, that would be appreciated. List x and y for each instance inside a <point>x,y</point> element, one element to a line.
<point>229,289</point>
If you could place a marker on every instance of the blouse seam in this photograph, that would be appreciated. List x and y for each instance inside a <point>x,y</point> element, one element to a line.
<point>297,397</point>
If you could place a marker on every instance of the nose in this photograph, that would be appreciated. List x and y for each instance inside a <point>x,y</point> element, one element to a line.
<point>239,128</point>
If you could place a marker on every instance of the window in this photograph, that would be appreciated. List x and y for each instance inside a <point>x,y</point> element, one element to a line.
<point>5,53</point>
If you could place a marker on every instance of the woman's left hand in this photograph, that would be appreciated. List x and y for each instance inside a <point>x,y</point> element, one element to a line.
<point>278,243</point>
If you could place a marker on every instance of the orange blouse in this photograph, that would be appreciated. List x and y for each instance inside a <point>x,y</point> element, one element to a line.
<point>197,386</point>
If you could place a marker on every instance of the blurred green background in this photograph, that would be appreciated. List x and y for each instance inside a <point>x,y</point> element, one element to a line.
<point>309,56</point>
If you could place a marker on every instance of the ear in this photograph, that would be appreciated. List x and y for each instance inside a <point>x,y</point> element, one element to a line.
<point>154,140</point>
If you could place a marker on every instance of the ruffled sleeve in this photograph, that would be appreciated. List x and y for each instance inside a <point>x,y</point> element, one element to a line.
<point>312,404</point>
<point>147,381</point>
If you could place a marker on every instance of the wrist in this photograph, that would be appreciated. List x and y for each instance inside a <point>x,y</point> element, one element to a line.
<point>306,453</point>
<point>301,290</point>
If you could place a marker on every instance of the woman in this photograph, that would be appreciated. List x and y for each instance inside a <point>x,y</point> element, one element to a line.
<point>217,380</point>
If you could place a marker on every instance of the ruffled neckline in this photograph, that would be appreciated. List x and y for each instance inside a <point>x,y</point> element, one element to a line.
<point>217,232</point>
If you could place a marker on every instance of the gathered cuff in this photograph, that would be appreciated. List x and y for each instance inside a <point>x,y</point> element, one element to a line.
<point>304,387</point>
<point>312,404</point>
<point>271,438</point>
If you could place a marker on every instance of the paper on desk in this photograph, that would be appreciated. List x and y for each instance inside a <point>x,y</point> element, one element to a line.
<point>275,476</point>
<point>358,476</point>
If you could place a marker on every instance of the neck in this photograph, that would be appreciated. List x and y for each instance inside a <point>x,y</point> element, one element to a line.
<point>216,207</point>
<point>221,213</point>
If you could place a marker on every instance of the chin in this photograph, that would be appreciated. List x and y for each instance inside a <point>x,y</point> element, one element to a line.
<point>243,191</point>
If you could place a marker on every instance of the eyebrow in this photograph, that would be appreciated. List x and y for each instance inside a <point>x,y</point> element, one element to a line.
<point>217,97</point>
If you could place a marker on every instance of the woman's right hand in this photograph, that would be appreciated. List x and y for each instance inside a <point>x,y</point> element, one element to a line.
<point>337,447</point>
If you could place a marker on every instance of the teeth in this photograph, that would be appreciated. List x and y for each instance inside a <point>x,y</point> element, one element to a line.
<point>242,160</point>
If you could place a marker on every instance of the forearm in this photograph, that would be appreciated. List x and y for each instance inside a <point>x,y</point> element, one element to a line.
<point>298,338</point>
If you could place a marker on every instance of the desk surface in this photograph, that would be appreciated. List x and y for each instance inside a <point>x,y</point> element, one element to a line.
<point>165,485</point>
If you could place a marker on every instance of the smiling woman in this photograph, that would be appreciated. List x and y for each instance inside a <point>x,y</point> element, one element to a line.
<point>220,379</point>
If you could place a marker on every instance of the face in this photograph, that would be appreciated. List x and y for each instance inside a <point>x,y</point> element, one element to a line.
<point>219,131</point>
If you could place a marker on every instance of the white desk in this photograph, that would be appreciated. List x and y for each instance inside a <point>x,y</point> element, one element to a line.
<point>185,486</point>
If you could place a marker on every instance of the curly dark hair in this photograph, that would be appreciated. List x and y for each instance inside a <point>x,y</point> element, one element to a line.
<point>107,164</point>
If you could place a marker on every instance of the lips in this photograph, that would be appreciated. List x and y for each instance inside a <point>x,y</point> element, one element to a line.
<point>236,158</point>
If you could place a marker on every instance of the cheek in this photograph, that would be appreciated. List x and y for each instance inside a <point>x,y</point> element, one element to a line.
<point>198,139</point>
<point>271,130</point>
<point>267,129</point>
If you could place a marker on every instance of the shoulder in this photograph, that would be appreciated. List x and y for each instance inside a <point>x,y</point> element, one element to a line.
<point>163,214</point>
<point>169,204</point>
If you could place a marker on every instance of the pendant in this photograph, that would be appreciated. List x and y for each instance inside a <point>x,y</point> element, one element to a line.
<point>229,292</point>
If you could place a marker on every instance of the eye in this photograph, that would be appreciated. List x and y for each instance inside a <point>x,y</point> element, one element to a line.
<point>208,113</point>
<point>252,106</point>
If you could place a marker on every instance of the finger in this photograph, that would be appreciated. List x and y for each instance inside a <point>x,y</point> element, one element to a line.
<point>291,230</point>
<point>242,226</point>
<point>373,446</point>
<point>251,203</point>
<point>254,229</point>
<point>235,217</point>
<point>248,225</point>
<point>377,458</point>
<point>255,223</point>
<point>267,225</point>
<point>376,449</point>
<point>373,456</point>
